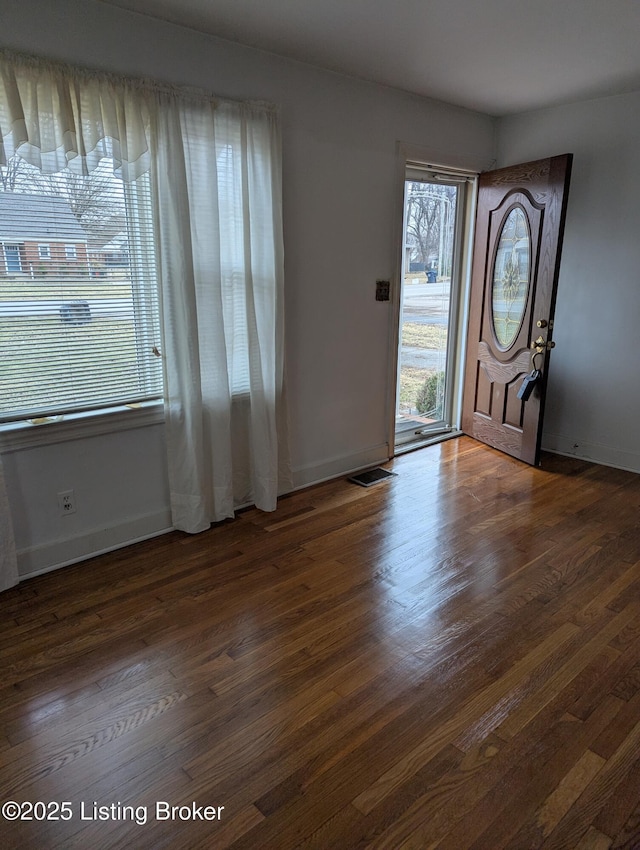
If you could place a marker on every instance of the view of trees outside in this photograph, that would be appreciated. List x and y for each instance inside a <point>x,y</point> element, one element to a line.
<point>95,200</point>
<point>429,229</point>
<point>67,299</point>
<point>431,209</point>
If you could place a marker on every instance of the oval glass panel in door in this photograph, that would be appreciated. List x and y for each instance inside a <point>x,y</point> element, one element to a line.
<point>510,283</point>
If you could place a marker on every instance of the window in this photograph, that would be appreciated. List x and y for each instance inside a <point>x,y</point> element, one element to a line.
<point>12,260</point>
<point>82,335</point>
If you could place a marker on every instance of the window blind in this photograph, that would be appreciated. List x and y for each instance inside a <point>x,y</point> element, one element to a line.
<point>79,327</point>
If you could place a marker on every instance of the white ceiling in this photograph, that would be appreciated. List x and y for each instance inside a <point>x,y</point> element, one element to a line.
<point>495,56</point>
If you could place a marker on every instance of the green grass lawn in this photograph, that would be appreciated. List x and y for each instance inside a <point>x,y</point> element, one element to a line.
<point>48,363</point>
<point>417,335</point>
<point>50,287</point>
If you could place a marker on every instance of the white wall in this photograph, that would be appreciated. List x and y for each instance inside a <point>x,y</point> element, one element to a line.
<point>120,486</point>
<point>340,170</point>
<point>593,406</point>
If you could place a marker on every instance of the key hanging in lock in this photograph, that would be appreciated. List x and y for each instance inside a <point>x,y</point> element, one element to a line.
<point>530,380</point>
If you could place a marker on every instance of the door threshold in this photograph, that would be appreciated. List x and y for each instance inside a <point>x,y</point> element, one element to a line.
<point>426,440</point>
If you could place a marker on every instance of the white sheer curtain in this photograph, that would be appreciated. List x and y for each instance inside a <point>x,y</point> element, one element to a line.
<point>219,209</point>
<point>8,564</point>
<point>216,175</point>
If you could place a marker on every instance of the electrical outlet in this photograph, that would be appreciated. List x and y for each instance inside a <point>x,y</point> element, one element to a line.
<point>66,502</point>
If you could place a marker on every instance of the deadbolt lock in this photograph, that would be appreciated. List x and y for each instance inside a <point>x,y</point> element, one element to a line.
<point>541,323</point>
<point>540,345</point>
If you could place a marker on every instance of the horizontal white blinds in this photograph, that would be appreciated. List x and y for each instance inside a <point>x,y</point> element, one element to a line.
<point>79,325</point>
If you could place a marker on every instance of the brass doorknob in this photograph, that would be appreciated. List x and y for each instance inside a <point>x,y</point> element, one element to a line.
<point>540,344</point>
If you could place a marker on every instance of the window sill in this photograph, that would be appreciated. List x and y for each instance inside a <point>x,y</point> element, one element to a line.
<point>24,435</point>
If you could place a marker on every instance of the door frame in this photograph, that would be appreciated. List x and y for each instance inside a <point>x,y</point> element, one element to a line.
<point>429,159</point>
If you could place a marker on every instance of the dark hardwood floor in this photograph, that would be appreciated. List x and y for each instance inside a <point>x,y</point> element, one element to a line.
<point>448,659</point>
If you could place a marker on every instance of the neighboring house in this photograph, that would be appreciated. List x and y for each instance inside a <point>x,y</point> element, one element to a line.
<point>110,256</point>
<point>39,235</point>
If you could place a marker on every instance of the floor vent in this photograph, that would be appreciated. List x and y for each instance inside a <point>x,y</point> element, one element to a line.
<point>371,476</point>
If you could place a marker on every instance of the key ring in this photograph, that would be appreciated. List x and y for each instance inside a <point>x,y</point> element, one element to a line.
<point>533,359</point>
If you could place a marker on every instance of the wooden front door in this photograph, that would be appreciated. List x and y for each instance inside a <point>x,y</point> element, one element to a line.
<point>516,260</point>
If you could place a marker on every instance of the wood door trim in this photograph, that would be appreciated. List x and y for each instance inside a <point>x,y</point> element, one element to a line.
<point>499,371</point>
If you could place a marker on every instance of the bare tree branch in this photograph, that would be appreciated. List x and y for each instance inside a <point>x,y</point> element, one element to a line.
<point>96,200</point>
<point>426,217</point>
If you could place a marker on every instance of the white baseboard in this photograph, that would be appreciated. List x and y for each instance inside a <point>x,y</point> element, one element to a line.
<point>35,560</point>
<point>594,452</point>
<point>305,476</point>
